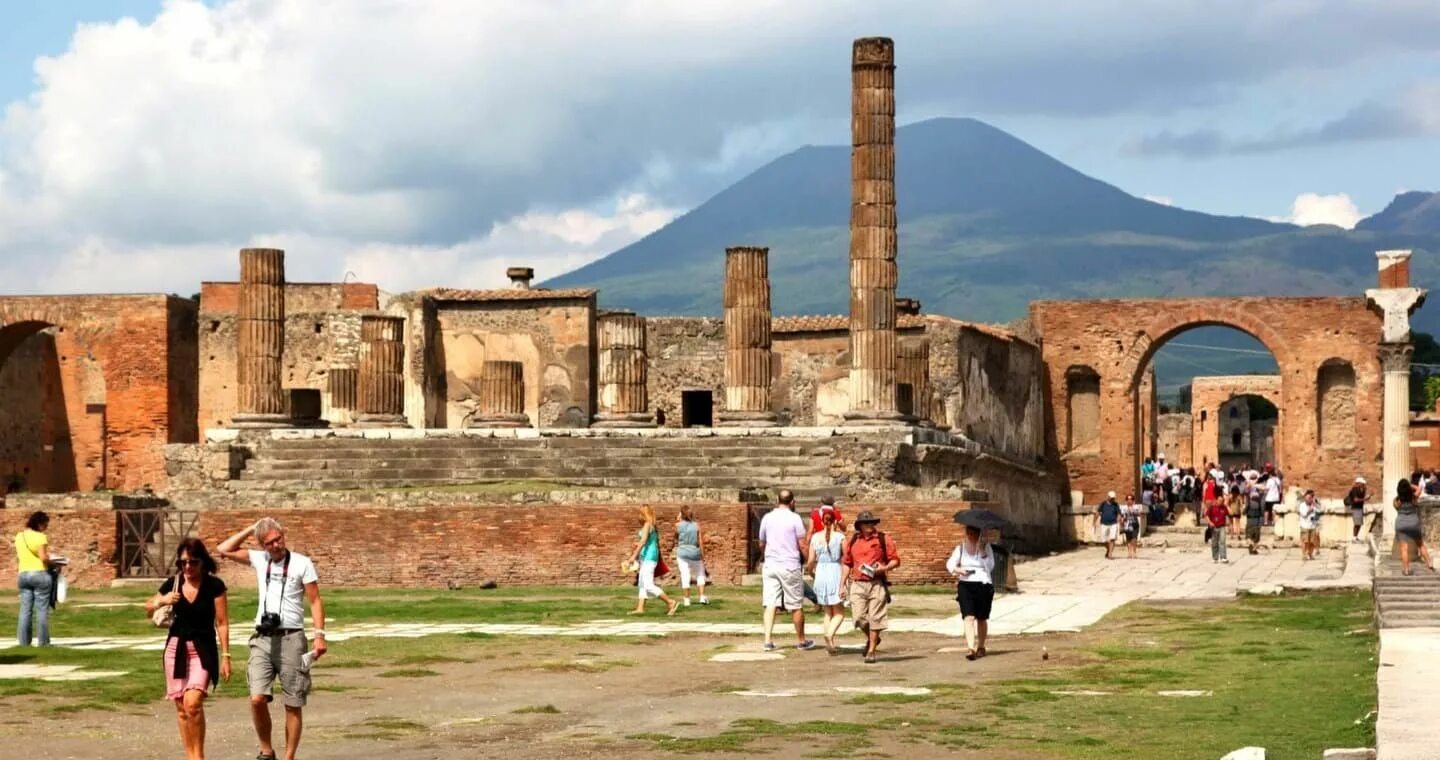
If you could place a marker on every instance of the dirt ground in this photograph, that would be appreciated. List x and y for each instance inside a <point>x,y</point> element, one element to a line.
<point>587,698</point>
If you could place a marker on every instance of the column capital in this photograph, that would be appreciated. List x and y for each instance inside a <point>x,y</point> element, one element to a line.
<point>1395,357</point>
<point>1395,305</point>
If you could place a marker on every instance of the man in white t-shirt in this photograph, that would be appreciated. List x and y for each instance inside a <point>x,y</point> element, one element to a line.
<point>1309,512</point>
<point>286,580</point>
<point>782,541</point>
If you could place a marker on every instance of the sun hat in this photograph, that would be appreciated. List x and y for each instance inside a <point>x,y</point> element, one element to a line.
<point>1110,495</point>
<point>866,517</point>
<point>1360,479</point>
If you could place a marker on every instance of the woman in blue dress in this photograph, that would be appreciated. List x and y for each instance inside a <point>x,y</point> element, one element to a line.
<point>827,549</point>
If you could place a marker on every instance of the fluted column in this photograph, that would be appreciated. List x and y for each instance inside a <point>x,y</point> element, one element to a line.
<point>912,372</point>
<point>873,272</point>
<point>380,387</point>
<point>1394,300</point>
<point>260,347</point>
<point>747,338</point>
<point>623,372</point>
<point>502,396</point>
<point>342,386</point>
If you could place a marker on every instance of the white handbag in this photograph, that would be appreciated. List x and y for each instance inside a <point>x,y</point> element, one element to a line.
<point>164,615</point>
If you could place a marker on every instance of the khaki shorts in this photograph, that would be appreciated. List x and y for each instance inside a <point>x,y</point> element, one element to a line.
<point>279,656</point>
<point>868,605</point>
<point>782,589</point>
<point>1309,534</point>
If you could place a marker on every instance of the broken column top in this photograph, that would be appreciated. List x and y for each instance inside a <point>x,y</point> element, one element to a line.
<point>1394,268</point>
<point>520,277</point>
<point>909,306</point>
<point>873,51</point>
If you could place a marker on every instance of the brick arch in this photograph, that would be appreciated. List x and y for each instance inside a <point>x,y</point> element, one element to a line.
<point>1158,332</point>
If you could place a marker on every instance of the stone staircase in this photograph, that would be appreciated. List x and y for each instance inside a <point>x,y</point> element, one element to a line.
<point>1406,601</point>
<point>1186,535</point>
<point>628,462</point>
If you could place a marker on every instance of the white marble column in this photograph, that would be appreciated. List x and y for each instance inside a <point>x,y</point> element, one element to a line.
<point>1394,300</point>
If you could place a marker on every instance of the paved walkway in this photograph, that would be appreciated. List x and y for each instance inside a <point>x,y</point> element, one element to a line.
<point>1409,712</point>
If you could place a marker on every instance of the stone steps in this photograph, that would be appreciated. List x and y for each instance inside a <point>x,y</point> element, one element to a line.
<point>756,476</point>
<point>406,480</point>
<point>1406,601</point>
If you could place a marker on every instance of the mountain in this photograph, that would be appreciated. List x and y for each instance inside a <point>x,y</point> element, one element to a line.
<point>1413,212</point>
<point>987,224</point>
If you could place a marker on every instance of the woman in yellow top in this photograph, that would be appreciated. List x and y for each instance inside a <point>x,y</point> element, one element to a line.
<point>32,552</point>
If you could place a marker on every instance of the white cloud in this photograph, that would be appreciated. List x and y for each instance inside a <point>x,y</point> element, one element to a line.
<point>1312,208</point>
<point>416,138</point>
<point>1163,200</point>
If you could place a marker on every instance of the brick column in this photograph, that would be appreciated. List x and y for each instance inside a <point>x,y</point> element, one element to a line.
<point>380,387</point>
<point>342,385</point>
<point>1394,300</point>
<point>873,271</point>
<point>260,348</point>
<point>912,371</point>
<point>502,396</point>
<point>747,338</point>
<point>623,372</point>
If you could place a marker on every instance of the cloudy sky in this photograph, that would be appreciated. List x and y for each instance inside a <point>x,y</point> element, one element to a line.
<point>420,142</point>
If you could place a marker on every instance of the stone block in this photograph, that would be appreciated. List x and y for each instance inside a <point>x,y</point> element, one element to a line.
<point>505,432</point>
<point>1246,753</point>
<point>1352,753</point>
<point>406,434</point>
<point>349,433</point>
<point>732,432</point>
<point>527,433</point>
<point>222,435</point>
<point>443,433</point>
<point>376,433</point>
<point>478,432</point>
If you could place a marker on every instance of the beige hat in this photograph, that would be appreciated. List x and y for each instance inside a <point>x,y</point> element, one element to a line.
<point>1110,495</point>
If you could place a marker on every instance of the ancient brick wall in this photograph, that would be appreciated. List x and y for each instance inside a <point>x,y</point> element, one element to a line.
<point>322,329</point>
<point>1175,439</point>
<point>85,536</point>
<point>1304,334</point>
<point>1214,422</point>
<point>686,354</point>
<point>991,386</point>
<point>117,403</point>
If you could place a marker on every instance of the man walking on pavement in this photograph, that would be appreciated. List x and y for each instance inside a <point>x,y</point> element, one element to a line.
<point>1107,516</point>
<point>782,542</point>
<point>869,557</point>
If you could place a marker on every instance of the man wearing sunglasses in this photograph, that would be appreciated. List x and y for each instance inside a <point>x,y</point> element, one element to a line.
<point>286,580</point>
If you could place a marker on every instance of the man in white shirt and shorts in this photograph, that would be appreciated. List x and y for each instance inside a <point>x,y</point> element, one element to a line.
<point>277,649</point>
<point>782,541</point>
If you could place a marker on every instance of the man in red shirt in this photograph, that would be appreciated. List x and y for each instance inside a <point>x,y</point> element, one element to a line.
<point>869,557</point>
<point>1217,515</point>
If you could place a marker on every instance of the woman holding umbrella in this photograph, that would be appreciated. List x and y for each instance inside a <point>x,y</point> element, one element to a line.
<point>973,563</point>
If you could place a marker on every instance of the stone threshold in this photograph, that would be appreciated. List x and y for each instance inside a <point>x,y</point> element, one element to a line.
<point>910,434</point>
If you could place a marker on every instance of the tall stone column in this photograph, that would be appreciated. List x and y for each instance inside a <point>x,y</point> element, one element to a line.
<point>342,385</point>
<point>381,382</point>
<point>260,347</point>
<point>502,396</point>
<point>912,373</point>
<point>747,338</point>
<point>1395,301</point>
<point>623,372</point>
<point>873,245</point>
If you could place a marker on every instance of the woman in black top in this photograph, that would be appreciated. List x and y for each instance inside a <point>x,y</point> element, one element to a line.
<point>193,662</point>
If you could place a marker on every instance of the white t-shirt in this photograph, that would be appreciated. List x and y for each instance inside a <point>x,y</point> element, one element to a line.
<point>1272,488</point>
<point>1309,515</point>
<point>980,564</point>
<point>289,599</point>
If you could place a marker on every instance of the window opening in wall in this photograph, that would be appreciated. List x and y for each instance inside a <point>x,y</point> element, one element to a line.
<point>1237,438</point>
<point>697,408</point>
<point>1234,411</point>
<point>1083,389</point>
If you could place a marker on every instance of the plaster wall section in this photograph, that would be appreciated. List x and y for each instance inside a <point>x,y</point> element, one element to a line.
<point>322,329</point>
<point>1175,439</point>
<point>552,338</point>
<point>1302,333</point>
<point>687,354</point>
<point>991,384</point>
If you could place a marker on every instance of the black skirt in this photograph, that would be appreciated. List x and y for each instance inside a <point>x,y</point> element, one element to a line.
<point>975,599</point>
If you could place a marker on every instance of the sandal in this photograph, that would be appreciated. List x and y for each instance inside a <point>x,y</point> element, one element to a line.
<point>263,756</point>
<point>971,655</point>
<point>980,652</point>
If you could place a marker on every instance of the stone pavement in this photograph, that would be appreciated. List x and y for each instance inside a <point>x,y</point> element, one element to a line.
<point>1409,713</point>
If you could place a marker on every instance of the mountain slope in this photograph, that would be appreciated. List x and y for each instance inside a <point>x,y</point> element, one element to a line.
<point>987,224</point>
<point>1412,212</point>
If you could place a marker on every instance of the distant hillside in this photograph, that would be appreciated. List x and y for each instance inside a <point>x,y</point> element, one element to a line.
<point>1413,213</point>
<point>987,224</point>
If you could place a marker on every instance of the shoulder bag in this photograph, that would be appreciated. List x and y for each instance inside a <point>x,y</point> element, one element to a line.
<point>164,615</point>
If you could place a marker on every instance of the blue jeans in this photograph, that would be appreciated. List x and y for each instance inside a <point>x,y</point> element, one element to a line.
<point>34,606</point>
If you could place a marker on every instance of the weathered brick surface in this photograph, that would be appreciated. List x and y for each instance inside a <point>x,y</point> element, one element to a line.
<point>433,546</point>
<point>1302,333</point>
<point>121,364</point>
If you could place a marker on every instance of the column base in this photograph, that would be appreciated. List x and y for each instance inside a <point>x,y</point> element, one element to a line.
<point>260,421</point>
<point>381,421</point>
<point>747,419</point>
<point>623,420</point>
<point>874,417</point>
<point>500,421</point>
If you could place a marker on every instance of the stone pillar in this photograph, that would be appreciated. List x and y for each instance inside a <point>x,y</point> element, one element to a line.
<point>260,347</point>
<point>380,386</point>
<point>342,385</point>
<point>873,245</point>
<point>502,396</point>
<point>747,338</point>
<point>623,372</point>
<point>1395,301</point>
<point>912,373</point>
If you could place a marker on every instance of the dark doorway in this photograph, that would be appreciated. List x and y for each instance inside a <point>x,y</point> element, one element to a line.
<point>697,409</point>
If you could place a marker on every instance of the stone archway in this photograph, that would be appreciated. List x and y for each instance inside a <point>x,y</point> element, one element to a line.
<point>1301,333</point>
<point>1208,399</point>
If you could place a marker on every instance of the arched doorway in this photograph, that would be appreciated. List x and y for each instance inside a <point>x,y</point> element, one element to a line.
<point>52,411</point>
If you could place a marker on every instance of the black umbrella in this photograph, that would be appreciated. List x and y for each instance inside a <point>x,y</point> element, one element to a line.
<point>983,519</point>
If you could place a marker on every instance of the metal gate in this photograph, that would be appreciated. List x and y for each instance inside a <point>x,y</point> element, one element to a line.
<point>147,540</point>
<point>753,557</point>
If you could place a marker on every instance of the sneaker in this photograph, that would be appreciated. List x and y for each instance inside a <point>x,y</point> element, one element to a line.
<point>704,600</point>
<point>687,601</point>
<point>806,645</point>
<point>1225,561</point>
<point>769,646</point>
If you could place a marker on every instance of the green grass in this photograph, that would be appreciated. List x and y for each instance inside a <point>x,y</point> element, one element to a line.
<point>746,731</point>
<point>537,710</point>
<point>408,673</point>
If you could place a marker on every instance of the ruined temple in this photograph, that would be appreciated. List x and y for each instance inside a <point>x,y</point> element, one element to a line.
<point>420,422</point>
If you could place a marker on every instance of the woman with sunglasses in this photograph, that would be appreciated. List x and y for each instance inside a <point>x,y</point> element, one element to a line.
<point>193,661</point>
